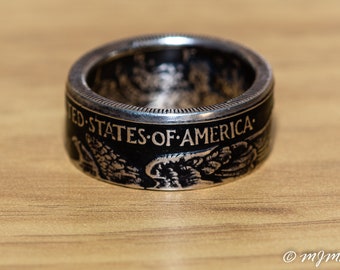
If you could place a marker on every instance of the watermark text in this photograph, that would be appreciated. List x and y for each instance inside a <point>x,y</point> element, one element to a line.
<point>315,257</point>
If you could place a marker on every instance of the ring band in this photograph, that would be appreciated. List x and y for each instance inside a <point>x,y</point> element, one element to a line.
<point>169,112</point>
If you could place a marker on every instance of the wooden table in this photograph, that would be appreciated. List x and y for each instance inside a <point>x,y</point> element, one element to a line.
<point>52,216</point>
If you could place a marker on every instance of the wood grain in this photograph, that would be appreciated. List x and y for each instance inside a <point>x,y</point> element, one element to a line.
<point>54,217</point>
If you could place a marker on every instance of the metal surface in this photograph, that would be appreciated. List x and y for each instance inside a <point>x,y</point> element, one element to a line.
<point>169,112</point>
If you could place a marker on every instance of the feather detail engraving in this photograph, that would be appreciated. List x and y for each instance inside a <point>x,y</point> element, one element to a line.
<point>177,170</point>
<point>85,159</point>
<point>185,169</point>
<point>112,166</point>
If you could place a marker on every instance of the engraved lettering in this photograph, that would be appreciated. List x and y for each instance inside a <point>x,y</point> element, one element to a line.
<point>187,138</point>
<point>160,135</point>
<point>213,133</point>
<point>99,124</point>
<point>142,139</point>
<point>224,132</point>
<point>109,131</point>
<point>201,135</point>
<point>232,130</point>
<point>74,115</point>
<point>237,131</point>
<point>92,127</point>
<point>178,137</point>
<point>247,125</point>
<point>80,119</point>
<point>169,135</point>
<point>119,131</point>
<point>130,134</point>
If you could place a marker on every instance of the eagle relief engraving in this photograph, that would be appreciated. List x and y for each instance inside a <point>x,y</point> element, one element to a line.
<point>177,170</point>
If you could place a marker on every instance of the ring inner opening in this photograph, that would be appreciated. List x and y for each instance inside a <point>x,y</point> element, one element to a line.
<point>183,77</point>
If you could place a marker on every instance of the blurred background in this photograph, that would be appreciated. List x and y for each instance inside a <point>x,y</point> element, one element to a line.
<point>51,213</point>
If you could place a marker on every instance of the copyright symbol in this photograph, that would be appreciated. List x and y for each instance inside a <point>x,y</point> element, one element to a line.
<point>289,256</point>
